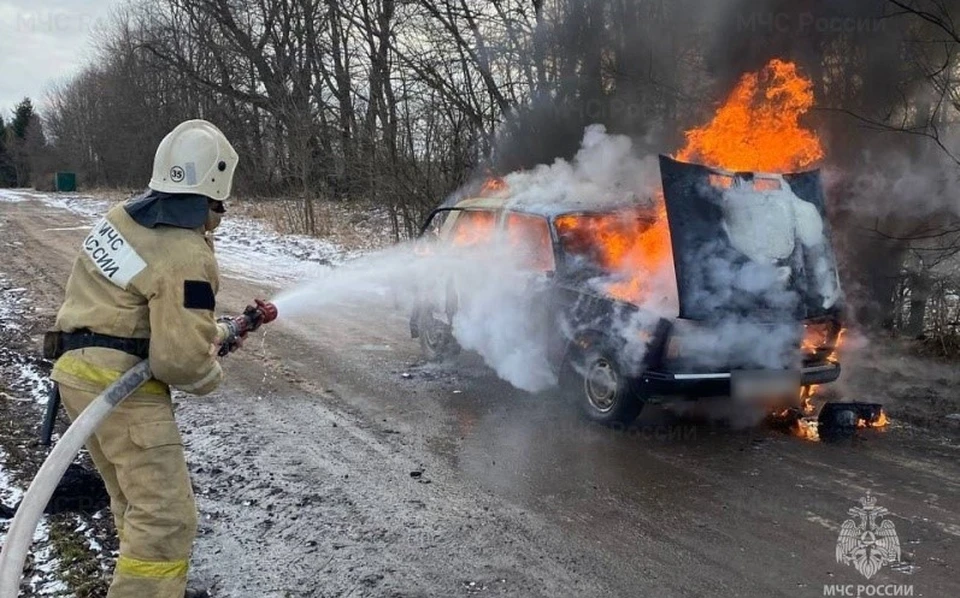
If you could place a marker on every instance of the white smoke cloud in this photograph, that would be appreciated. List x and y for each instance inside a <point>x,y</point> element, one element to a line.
<point>501,313</point>
<point>500,318</point>
<point>606,171</point>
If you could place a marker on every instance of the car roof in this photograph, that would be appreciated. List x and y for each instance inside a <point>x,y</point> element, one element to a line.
<point>500,202</point>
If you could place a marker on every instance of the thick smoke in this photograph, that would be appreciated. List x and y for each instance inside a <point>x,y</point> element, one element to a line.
<point>501,317</point>
<point>606,171</point>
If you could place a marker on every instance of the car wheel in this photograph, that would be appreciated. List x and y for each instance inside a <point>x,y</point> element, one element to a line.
<point>436,336</point>
<point>604,393</point>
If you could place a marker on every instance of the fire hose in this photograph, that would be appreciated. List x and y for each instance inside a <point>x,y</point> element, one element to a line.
<point>24,525</point>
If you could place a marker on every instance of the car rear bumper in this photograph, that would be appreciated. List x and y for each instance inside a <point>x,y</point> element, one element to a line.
<point>718,383</point>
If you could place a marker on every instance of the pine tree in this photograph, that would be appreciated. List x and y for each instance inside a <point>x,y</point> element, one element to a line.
<point>7,176</point>
<point>24,118</point>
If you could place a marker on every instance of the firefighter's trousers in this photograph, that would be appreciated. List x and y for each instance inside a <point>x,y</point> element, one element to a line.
<point>139,452</point>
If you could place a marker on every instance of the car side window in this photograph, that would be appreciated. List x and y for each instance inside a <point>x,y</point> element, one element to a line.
<point>530,236</point>
<point>472,228</point>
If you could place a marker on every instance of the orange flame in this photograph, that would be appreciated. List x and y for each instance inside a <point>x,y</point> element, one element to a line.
<point>881,422</point>
<point>836,346</point>
<point>473,228</point>
<point>631,244</point>
<point>806,429</point>
<point>821,340</point>
<point>758,127</point>
<point>493,186</point>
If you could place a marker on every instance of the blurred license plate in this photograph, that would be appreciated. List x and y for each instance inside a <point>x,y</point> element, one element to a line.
<point>750,385</point>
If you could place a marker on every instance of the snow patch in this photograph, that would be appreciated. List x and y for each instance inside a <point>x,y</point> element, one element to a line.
<point>249,250</point>
<point>22,374</point>
<point>87,207</point>
<point>94,543</point>
<point>10,493</point>
<point>13,196</point>
<point>44,579</point>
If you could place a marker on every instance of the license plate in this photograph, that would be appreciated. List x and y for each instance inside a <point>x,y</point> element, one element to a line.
<point>758,385</point>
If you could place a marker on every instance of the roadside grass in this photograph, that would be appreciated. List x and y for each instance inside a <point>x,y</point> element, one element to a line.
<point>80,568</point>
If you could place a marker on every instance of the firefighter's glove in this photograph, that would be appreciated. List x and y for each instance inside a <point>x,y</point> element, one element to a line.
<point>231,338</point>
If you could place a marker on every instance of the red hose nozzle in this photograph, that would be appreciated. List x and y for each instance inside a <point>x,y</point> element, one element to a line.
<point>255,316</point>
<point>267,310</point>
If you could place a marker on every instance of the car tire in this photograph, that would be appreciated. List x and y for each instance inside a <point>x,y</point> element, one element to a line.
<point>436,337</point>
<point>604,394</point>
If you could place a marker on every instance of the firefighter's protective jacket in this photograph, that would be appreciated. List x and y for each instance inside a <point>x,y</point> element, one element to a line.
<point>132,281</point>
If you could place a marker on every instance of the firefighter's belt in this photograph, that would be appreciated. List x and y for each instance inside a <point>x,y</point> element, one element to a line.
<point>55,344</point>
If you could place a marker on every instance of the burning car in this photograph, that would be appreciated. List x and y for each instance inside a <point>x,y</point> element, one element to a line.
<point>753,305</point>
<point>723,284</point>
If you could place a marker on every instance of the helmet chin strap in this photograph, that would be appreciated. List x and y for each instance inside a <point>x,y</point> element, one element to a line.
<point>214,215</point>
<point>213,220</point>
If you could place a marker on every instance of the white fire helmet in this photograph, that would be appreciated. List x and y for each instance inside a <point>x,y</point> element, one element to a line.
<point>195,158</point>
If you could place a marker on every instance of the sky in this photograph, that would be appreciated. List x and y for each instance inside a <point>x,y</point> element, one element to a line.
<point>44,42</point>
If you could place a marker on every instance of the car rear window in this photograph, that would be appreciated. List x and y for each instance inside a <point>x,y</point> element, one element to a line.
<point>605,241</point>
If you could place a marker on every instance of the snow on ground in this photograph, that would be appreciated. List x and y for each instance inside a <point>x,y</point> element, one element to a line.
<point>90,208</point>
<point>89,534</point>
<point>44,577</point>
<point>246,248</point>
<point>9,299</point>
<point>10,492</point>
<point>24,380</point>
<point>23,376</point>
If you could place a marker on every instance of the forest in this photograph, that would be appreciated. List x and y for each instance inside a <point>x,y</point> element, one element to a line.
<point>398,103</point>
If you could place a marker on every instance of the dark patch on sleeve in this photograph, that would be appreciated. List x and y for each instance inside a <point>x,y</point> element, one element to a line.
<point>198,294</point>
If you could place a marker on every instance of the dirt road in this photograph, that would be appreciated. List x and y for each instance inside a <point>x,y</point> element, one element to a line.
<point>333,464</point>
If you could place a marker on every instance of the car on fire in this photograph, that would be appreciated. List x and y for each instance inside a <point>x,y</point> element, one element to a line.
<point>756,299</point>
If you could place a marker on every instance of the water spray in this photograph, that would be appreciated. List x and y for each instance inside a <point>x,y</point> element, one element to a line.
<point>24,525</point>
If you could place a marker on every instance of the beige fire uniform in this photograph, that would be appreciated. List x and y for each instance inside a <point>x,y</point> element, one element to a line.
<point>159,283</point>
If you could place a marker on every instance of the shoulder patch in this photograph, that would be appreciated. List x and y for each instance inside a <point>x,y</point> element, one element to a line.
<point>198,294</point>
<point>113,256</point>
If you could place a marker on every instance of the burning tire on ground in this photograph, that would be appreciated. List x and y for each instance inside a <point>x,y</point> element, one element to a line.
<point>596,381</point>
<point>838,421</point>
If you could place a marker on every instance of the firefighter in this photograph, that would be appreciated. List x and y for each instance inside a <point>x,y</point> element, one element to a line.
<point>144,286</point>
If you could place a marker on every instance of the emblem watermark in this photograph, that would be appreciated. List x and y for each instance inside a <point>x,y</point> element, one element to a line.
<point>868,542</point>
<point>859,590</point>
